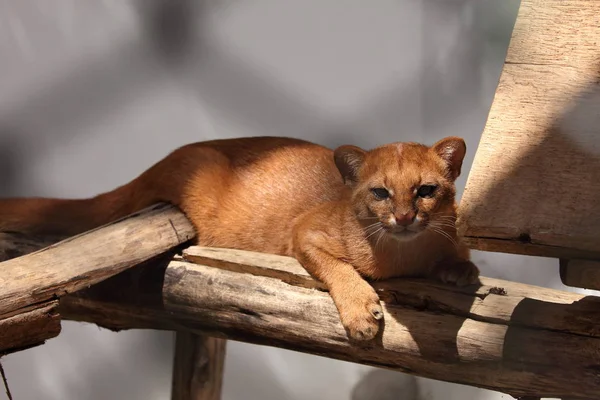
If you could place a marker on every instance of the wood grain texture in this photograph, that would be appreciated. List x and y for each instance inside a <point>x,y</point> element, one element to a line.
<point>198,367</point>
<point>78,262</point>
<point>534,182</point>
<point>286,269</point>
<point>30,327</point>
<point>434,333</point>
<point>33,325</point>
<point>540,341</point>
<point>14,244</point>
<point>580,273</point>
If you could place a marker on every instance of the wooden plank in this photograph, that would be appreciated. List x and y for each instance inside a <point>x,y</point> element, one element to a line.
<point>91,257</point>
<point>286,269</point>
<point>484,307</point>
<point>198,367</point>
<point>15,244</point>
<point>521,246</point>
<point>29,328</point>
<point>78,262</point>
<point>538,340</point>
<point>534,183</point>
<point>580,273</point>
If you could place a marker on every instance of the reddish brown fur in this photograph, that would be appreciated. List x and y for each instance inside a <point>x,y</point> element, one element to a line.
<point>286,196</point>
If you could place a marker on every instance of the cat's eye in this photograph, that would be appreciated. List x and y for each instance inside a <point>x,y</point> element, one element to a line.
<point>426,190</point>
<point>380,193</point>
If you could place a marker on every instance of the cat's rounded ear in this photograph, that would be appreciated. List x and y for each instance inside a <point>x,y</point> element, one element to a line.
<point>452,150</point>
<point>348,160</point>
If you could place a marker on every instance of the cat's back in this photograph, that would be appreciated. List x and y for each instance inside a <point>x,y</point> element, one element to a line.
<point>263,185</point>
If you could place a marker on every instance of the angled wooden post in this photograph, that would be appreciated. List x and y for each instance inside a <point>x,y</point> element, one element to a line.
<point>534,185</point>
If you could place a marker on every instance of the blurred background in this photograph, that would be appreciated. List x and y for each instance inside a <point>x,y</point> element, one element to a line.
<point>94,92</point>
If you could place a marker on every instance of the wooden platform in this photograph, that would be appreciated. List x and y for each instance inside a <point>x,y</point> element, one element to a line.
<point>539,340</point>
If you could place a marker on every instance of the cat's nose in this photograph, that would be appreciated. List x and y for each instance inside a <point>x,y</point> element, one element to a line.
<point>405,219</point>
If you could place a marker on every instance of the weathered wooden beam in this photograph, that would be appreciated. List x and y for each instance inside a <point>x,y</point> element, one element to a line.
<point>15,244</point>
<point>533,186</point>
<point>37,279</point>
<point>580,273</point>
<point>198,367</point>
<point>505,336</point>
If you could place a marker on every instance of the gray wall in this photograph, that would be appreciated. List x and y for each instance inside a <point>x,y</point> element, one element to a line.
<point>93,92</point>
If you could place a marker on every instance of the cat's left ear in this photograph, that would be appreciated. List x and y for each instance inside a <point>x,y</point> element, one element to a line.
<point>452,150</point>
<point>348,160</point>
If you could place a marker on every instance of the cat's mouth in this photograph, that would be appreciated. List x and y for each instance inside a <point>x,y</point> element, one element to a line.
<point>402,233</point>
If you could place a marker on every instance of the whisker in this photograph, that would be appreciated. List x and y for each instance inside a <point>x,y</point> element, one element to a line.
<point>442,221</point>
<point>375,225</point>
<point>438,227</point>
<point>442,224</point>
<point>443,216</point>
<point>373,233</point>
<point>450,222</point>
<point>449,238</point>
<point>379,238</point>
<point>443,234</point>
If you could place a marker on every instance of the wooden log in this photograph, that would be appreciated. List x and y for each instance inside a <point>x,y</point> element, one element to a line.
<point>198,367</point>
<point>78,262</point>
<point>580,273</point>
<point>533,186</point>
<point>505,336</point>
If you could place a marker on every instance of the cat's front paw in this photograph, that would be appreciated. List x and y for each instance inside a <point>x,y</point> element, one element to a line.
<point>459,273</point>
<point>360,311</point>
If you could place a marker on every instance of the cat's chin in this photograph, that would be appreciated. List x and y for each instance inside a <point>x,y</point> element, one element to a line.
<point>404,236</point>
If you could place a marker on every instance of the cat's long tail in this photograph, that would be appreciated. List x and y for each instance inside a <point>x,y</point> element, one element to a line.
<point>69,217</point>
<point>178,179</point>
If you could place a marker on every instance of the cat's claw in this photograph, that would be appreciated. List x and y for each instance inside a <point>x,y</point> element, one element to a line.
<point>460,273</point>
<point>360,313</point>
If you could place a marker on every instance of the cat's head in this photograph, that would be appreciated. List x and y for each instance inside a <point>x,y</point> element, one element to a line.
<point>403,188</point>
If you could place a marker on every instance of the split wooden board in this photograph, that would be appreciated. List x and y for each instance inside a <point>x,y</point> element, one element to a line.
<point>534,187</point>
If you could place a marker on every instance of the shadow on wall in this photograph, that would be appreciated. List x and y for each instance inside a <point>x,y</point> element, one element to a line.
<point>228,85</point>
<point>11,162</point>
<point>93,89</point>
<point>171,26</point>
<point>175,43</point>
